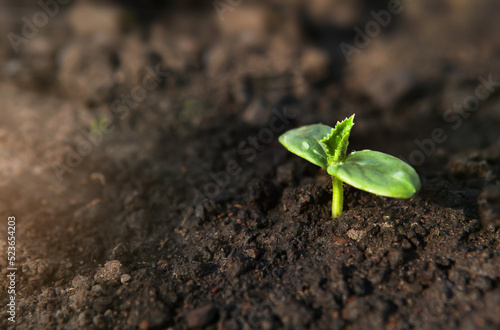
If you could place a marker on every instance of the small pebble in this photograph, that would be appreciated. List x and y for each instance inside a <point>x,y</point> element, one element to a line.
<point>201,317</point>
<point>125,278</point>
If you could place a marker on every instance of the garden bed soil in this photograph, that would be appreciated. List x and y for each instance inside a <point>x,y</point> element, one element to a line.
<point>178,208</point>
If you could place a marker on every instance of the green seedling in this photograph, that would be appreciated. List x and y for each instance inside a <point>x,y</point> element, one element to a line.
<point>372,171</point>
<point>98,123</point>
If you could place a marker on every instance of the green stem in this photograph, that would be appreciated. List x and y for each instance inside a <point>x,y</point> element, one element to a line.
<point>337,197</point>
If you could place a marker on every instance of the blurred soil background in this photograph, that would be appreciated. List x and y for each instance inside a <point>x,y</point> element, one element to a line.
<point>139,155</point>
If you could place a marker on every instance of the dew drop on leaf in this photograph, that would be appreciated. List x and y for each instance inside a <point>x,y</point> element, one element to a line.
<point>306,145</point>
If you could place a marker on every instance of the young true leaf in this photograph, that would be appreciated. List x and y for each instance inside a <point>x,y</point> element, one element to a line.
<point>336,143</point>
<point>372,171</point>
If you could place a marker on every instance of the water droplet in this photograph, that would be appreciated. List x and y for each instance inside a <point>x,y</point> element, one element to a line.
<point>306,145</point>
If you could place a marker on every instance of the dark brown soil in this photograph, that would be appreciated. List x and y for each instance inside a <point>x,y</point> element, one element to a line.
<point>178,208</point>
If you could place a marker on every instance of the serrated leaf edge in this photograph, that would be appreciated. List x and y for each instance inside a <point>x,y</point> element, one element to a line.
<point>336,157</point>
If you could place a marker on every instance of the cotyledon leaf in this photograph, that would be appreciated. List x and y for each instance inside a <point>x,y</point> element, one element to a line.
<point>378,173</point>
<point>305,142</point>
